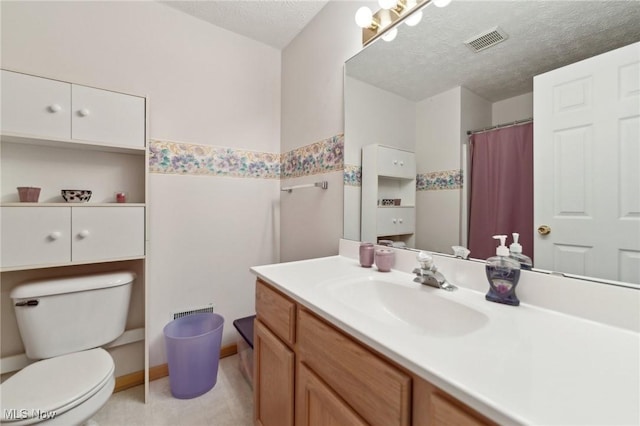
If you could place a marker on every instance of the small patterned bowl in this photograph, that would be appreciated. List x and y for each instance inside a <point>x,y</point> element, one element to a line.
<point>76,195</point>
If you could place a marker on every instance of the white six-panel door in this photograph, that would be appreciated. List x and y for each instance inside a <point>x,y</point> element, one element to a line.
<point>587,166</point>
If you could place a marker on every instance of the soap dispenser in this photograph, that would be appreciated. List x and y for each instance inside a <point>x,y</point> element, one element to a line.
<point>515,250</point>
<point>503,273</point>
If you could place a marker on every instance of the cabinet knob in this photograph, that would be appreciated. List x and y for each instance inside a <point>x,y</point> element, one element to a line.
<point>395,161</point>
<point>399,220</point>
<point>54,108</point>
<point>55,235</point>
<point>83,234</point>
<point>84,112</point>
<point>402,163</point>
<point>394,220</point>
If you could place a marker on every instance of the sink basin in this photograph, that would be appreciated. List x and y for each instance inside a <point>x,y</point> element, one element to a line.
<point>412,306</point>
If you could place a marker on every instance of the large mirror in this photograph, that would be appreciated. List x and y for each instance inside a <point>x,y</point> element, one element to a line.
<point>424,91</point>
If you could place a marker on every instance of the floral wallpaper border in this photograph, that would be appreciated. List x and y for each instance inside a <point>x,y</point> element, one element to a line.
<point>352,175</point>
<point>447,179</point>
<point>192,159</point>
<point>320,157</point>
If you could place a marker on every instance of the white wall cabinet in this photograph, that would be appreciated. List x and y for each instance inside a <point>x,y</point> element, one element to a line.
<point>394,162</point>
<point>35,236</point>
<point>388,174</point>
<point>35,106</point>
<point>396,220</point>
<point>53,235</point>
<point>59,135</point>
<point>53,109</point>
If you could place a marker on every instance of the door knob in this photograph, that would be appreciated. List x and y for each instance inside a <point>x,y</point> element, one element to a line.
<point>544,229</point>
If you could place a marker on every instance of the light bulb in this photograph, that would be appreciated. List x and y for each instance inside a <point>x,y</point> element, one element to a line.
<point>441,3</point>
<point>414,19</point>
<point>390,35</point>
<point>364,17</point>
<point>388,4</point>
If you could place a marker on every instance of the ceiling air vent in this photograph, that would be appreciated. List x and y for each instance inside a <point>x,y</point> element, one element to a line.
<point>486,39</point>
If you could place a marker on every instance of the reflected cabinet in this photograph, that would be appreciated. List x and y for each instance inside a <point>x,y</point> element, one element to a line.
<point>388,194</point>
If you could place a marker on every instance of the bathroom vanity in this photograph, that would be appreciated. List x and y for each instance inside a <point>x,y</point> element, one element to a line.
<point>339,344</point>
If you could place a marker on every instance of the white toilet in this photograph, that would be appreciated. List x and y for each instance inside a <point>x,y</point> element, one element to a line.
<point>62,322</point>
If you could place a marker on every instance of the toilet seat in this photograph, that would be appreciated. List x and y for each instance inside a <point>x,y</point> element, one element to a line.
<point>56,384</point>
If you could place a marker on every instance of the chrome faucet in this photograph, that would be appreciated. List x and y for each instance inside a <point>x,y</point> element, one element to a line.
<point>427,273</point>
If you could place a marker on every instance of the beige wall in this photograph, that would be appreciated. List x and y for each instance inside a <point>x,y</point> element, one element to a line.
<point>312,110</point>
<point>512,109</point>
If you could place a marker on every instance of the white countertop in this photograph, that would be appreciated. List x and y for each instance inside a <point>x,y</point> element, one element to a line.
<point>524,365</point>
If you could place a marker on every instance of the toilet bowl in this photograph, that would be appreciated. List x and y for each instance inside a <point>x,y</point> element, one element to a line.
<point>62,323</point>
<point>64,390</point>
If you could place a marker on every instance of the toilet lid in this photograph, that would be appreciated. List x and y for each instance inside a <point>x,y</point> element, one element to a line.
<point>55,384</point>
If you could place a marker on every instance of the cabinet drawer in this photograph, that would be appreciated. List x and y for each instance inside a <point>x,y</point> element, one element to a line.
<point>35,235</point>
<point>376,390</point>
<point>396,220</point>
<point>396,163</point>
<point>276,311</point>
<point>35,106</point>
<point>100,233</point>
<point>317,404</point>
<point>445,412</point>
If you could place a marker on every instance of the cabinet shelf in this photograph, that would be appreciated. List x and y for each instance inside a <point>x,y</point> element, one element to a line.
<point>64,264</point>
<point>74,205</point>
<point>69,143</point>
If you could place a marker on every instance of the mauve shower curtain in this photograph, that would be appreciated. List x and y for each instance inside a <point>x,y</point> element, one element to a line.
<point>501,189</point>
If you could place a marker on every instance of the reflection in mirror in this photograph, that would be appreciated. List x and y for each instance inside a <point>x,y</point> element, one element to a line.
<point>425,90</point>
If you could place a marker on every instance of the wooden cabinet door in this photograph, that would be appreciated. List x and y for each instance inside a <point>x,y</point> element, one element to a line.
<point>35,235</point>
<point>102,233</point>
<point>377,391</point>
<point>273,379</point>
<point>35,106</point>
<point>107,117</point>
<point>318,405</point>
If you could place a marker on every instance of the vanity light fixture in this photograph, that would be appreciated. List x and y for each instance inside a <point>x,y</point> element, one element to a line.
<point>415,18</point>
<point>390,35</point>
<point>384,22</point>
<point>441,3</point>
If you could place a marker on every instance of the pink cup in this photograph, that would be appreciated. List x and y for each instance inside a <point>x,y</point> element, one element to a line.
<point>366,255</point>
<point>28,194</point>
<point>384,259</point>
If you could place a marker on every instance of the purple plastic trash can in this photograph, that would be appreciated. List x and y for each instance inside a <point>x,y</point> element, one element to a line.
<point>193,352</point>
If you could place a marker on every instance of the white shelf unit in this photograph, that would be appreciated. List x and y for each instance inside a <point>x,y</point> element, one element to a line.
<point>388,174</point>
<point>59,135</point>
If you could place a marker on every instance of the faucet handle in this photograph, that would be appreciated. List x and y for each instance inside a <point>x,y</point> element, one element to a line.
<point>425,260</point>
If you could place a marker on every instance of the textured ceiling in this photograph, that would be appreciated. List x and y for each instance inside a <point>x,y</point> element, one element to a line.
<point>273,22</point>
<point>543,35</point>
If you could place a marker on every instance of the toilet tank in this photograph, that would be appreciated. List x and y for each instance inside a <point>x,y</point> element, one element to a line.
<point>63,315</point>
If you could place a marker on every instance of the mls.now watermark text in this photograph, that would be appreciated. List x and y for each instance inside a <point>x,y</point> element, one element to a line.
<point>22,414</point>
